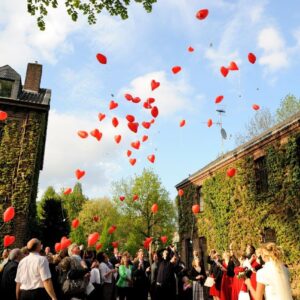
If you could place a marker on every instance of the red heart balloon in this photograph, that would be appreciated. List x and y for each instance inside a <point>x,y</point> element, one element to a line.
<point>93,238</point>
<point>128,97</point>
<point>57,247</point>
<point>101,117</point>
<point>154,84</point>
<point>132,161</point>
<point>136,100</point>
<point>96,134</point>
<point>135,197</point>
<point>252,58</point>
<point>9,214</point>
<point>180,192</point>
<point>112,229</point>
<point>133,127</point>
<point>164,239</point>
<point>147,105</point>
<point>130,118</point>
<point>224,71</point>
<point>209,122</point>
<point>151,158</point>
<point>154,112</point>
<point>67,191</point>
<point>115,122</point>
<point>146,125</point>
<point>151,100</point>
<point>129,153</point>
<point>75,223</point>
<point>3,115</point>
<point>79,174</point>
<point>219,99</point>
<point>65,243</point>
<point>231,172</point>
<point>145,138</point>
<point>83,134</point>
<point>118,138</point>
<point>196,208</point>
<point>255,107</point>
<point>191,49</point>
<point>101,58</point>
<point>115,244</point>
<point>154,208</point>
<point>113,105</point>
<point>122,198</point>
<point>182,123</point>
<point>8,240</point>
<point>98,246</point>
<point>136,145</point>
<point>176,69</point>
<point>202,14</point>
<point>233,66</point>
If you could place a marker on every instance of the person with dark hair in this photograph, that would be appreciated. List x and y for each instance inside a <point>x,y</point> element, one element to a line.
<point>166,282</point>
<point>216,272</point>
<point>106,274</point>
<point>8,284</point>
<point>141,272</point>
<point>153,276</point>
<point>33,279</point>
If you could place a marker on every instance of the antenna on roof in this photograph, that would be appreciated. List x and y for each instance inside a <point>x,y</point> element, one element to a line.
<point>220,123</point>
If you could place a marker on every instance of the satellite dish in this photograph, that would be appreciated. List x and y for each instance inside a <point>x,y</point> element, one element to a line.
<point>223,133</point>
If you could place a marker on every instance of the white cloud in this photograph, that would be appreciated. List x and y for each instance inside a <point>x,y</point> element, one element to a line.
<point>66,152</point>
<point>21,41</point>
<point>171,97</point>
<point>275,51</point>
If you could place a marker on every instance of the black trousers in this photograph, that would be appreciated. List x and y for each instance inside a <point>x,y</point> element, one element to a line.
<point>125,293</point>
<point>37,294</point>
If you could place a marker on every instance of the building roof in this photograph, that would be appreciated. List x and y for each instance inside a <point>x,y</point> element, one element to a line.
<point>20,96</point>
<point>257,141</point>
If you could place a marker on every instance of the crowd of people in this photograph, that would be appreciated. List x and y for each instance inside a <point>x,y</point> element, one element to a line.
<point>73,273</point>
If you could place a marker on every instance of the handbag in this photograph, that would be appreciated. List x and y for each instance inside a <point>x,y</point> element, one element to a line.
<point>73,287</point>
<point>209,282</point>
<point>244,296</point>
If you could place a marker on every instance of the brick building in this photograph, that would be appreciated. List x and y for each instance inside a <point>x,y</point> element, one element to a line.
<point>22,144</point>
<point>260,204</point>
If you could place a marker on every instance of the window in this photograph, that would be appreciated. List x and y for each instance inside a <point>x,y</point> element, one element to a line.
<point>269,235</point>
<point>200,199</point>
<point>189,252</point>
<point>6,88</point>
<point>261,175</point>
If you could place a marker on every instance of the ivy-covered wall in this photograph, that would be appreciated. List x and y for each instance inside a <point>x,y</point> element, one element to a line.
<point>21,151</point>
<point>235,212</point>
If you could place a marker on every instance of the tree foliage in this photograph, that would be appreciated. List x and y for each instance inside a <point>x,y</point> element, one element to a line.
<point>137,219</point>
<point>261,121</point>
<point>107,214</point>
<point>289,106</point>
<point>89,8</point>
<point>74,201</point>
<point>53,224</point>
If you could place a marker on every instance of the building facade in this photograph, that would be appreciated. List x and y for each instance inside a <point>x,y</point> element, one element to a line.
<point>22,144</point>
<point>261,203</point>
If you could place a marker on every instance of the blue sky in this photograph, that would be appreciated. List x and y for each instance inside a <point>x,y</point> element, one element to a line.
<point>146,47</point>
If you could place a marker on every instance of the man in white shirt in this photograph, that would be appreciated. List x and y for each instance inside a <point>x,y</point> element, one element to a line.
<point>33,275</point>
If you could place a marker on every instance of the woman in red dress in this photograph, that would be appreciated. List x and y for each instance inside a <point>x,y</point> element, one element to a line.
<point>238,281</point>
<point>228,274</point>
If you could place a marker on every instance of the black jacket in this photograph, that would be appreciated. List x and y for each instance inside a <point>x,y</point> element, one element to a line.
<point>8,284</point>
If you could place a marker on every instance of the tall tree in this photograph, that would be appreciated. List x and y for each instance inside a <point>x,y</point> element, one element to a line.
<point>74,201</point>
<point>261,121</point>
<point>289,106</point>
<point>89,8</point>
<point>52,221</point>
<point>95,216</point>
<point>138,221</point>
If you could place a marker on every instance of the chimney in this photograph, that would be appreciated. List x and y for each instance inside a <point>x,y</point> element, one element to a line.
<point>33,77</point>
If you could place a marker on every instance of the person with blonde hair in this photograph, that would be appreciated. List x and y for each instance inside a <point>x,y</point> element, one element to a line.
<point>124,283</point>
<point>273,279</point>
<point>198,276</point>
